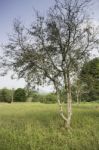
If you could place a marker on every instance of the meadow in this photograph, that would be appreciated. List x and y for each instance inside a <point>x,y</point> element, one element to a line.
<point>36,126</point>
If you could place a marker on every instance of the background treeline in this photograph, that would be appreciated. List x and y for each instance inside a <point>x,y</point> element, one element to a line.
<point>84,88</point>
<point>11,95</point>
<point>23,95</point>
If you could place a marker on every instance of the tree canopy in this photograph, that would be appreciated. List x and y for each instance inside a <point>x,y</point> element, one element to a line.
<point>5,95</point>
<point>90,77</point>
<point>20,95</point>
<point>52,48</point>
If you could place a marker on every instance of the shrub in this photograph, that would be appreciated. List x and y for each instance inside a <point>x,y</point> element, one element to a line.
<point>20,95</point>
<point>49,98</point>
<point>5,95</point>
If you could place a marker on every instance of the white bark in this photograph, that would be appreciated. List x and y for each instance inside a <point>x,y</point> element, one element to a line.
<point>69,102</point>
<point>59,103</point>
<point>67,120</point>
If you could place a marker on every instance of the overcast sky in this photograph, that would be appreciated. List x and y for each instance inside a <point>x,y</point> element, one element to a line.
<point>23,9</point>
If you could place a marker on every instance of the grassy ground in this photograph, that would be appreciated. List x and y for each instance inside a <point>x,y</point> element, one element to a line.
<point>28,126</point>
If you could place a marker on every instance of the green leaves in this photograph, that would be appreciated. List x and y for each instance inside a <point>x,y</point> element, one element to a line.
<point>20,95</point>
<point>90,76</point>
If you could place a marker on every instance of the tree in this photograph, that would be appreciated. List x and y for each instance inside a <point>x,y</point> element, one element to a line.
<point>77,90</point>
<point>12,95</point>
<point>5,95</point>
<point>90,77</point>
<point>50,98</point>
<point>51,50</point>
<point>20,95</point>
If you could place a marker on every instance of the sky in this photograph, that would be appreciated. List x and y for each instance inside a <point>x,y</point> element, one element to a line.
<point>23,9</point>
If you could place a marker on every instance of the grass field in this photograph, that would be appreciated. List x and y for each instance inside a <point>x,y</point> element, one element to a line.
<point>35,126</point>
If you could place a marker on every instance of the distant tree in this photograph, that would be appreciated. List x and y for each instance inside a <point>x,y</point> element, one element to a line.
<point>52,48</point>
<point>51,98</point>
<point>36,97</point>
<point>77,90</point>
<point>90,77</point>
<point>5,95</point>
<point>20,95</point>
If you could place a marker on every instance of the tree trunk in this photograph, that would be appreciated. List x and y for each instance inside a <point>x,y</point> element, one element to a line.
<point>67,120</point>
<point>77,95</point>
<point>59,103</point>
<point>69,102</point>
<point>12,97</point>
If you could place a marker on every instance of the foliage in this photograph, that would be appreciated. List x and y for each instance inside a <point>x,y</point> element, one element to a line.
<point>51,98</point>
<point>36,97</point>
<point>61,35</point>
<point>20,95</point>
<point>90,77</point>
<point>5,95</point>
<point>44,98</point>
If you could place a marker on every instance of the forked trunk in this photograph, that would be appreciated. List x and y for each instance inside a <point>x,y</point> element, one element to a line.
<point>67,120</point>
<point>59,103</point>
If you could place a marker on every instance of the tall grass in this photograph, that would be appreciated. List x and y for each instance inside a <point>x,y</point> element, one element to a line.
<point>35,126</point>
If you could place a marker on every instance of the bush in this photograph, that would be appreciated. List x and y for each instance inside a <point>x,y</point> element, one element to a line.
<point>5,95</point>
<point>20,95</point>
<point>49,98</point>
<point>35,97</point>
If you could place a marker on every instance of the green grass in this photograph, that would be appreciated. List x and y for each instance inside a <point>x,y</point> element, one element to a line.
<point>35,126</point>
